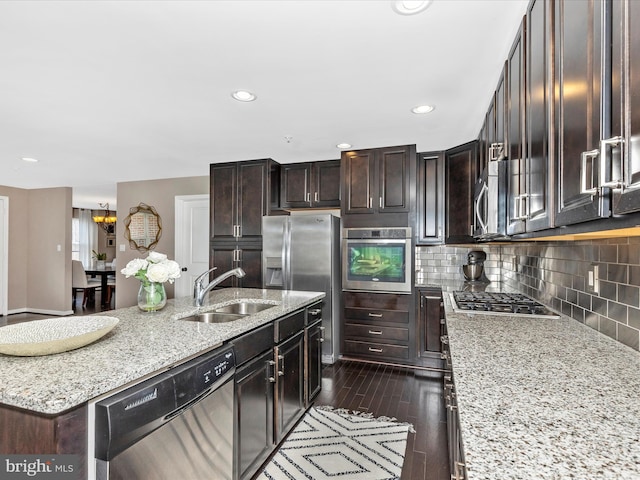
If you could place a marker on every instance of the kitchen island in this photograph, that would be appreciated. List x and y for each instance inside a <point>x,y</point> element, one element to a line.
<point>43,400</point>
<point>543,398</point>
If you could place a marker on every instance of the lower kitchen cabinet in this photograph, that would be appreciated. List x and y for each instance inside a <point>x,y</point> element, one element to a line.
<point>376,326</point>
<point>227,256</point>
<point>271,384</point>
<point>429,326</point>
<point>313,339</point>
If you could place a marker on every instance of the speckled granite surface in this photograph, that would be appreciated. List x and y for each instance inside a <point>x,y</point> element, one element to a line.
<point>544,399</point>
<point>141,343</point>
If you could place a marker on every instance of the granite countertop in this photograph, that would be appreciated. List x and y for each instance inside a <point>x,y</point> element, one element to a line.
<point>544,398</point>
<point>141,344</point>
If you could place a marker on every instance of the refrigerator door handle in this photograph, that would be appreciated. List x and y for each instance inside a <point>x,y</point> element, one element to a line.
<point>286,255</point>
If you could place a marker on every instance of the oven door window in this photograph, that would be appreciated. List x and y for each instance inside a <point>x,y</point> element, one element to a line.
<point>376,262</point>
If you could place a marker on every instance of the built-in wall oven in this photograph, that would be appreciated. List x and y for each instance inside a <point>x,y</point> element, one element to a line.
<point>377,260</point>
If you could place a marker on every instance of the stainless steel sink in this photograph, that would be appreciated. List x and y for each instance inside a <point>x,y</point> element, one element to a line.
<point>244,308</point>
<point>213,317</point>
<point>229,313</point>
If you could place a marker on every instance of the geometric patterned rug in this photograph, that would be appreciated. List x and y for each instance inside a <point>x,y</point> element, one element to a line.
<point>338,444</point>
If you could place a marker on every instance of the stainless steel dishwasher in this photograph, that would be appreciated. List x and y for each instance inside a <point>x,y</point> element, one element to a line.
<point>178,424</point>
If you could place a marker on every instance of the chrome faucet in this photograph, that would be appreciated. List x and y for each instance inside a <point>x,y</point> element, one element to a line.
<point>199,291</point>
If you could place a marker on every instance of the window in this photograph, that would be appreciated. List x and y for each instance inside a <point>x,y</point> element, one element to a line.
<point>75,238</point>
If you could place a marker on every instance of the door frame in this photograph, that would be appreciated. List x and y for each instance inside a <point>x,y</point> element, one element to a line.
<point>180,247</point>
<point>4,256</point>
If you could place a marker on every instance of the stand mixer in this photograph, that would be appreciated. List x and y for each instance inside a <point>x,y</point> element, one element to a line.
<point>474,270</point>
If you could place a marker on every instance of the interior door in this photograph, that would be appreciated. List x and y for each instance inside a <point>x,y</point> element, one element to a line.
<point>4,255</point>
<point>191,240</point>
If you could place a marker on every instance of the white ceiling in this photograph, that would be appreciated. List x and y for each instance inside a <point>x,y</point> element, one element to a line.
<point>110,91</point>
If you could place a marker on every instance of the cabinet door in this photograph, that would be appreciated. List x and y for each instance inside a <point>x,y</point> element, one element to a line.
<point>460,170</point>
<point>393,179</point>
<point>313,356</point>
<point>227,256</point>
<point>253,197</point>
<point>326,183</point>
<point>254,414</point>
<point>358,172</point>
<point>223,201</point>
<point>429,323</point>
<point>515,140</point>
<point>625,104</point>
<point>578,41</point>
<point>540,179</point>
<point>430,198</point>
<point>290,384</point>
<point>295,185</point>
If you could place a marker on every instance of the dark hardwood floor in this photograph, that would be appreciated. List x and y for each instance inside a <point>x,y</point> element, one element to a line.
<point>409,395</point>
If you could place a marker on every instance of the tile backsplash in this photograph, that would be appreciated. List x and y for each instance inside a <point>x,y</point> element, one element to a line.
<point>558,275</point>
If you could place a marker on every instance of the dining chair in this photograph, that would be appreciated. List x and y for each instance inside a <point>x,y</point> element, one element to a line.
<point>79,281</point>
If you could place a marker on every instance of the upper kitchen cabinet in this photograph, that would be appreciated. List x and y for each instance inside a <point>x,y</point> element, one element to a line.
<point>579,82</point>
<point>540,173</point>
<point>430,214</point>
<point>515,135</point>
<point>310,185</point>
<point>460,175</point>
<point>241,194</point>
<point>378,187</point>
<point>623,172</point>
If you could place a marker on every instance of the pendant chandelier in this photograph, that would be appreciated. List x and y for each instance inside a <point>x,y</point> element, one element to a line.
<point>106,221</point>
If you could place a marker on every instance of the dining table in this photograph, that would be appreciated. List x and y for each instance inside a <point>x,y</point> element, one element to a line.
<point>103,274</point>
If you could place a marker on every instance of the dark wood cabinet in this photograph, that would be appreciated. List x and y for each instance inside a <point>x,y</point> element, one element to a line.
<point>460,174</point>
<point>430,211</point>
<point>377,182</point>
<point>578,43</point>
<point>430,321</point>
<point>241,193</point>
<point>289,358</point>
<point>377,326</point>
<point>310,185</point>
<point>313,338</point>
<point>624,162</point>
<point>515,136</point>
<point>540,171</point>
<point>254,411</point>
<point>248,256</point>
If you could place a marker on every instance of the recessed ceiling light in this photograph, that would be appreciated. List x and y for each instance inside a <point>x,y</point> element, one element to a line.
<point>410,7</point>
<point>29,159</point>
<point>423,109</point>
<point>343,146</point>
<point>243,96</point>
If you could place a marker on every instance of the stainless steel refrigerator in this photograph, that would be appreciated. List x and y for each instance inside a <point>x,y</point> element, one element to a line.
<point>302,252</point>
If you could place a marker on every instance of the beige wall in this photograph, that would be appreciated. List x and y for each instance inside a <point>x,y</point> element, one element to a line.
<point>39,275</point>
<point>159,194</point>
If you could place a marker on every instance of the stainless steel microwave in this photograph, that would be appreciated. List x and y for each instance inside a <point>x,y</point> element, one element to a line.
<point>377,260</point>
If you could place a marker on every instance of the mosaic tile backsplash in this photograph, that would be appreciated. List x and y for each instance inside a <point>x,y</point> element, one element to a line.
<point>560,275</point>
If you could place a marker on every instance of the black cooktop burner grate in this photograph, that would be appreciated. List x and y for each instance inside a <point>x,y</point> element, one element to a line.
<point>500,303</point>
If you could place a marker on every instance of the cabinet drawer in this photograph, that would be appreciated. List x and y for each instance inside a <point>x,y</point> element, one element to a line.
<point>251,344</point>
<point>377,301</point>
<point>375,332</point>
<point>374,315</point>
<point>371,349</point>
<point>287,326</point>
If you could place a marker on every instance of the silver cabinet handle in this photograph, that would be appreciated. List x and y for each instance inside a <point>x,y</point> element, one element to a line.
<point>375,332</point>
<point>370,202</point>
<point>375,315</point>
<point>375,350</point>
<point>495,151</point>
<point>380,202</point>
<point>585,157</point>
<point>315,311</point>
<point>316,197</point>
<point>321,334</point>
<point>272,378</point>
<point>281,370</point>
<point>308,197</point>
<point>619,183</point>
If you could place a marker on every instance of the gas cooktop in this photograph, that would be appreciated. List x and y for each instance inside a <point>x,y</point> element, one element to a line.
<point>498,303</point>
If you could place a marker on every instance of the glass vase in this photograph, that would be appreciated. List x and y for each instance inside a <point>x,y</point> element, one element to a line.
<point>151,297</point>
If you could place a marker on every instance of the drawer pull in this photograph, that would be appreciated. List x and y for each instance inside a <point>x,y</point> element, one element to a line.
<point>375,350</point>
<point>376,315</point>
<point>375,332</point>
<point>315,311</point>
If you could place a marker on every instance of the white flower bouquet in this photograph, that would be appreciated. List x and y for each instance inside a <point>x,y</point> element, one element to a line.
<point>156,268</point>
